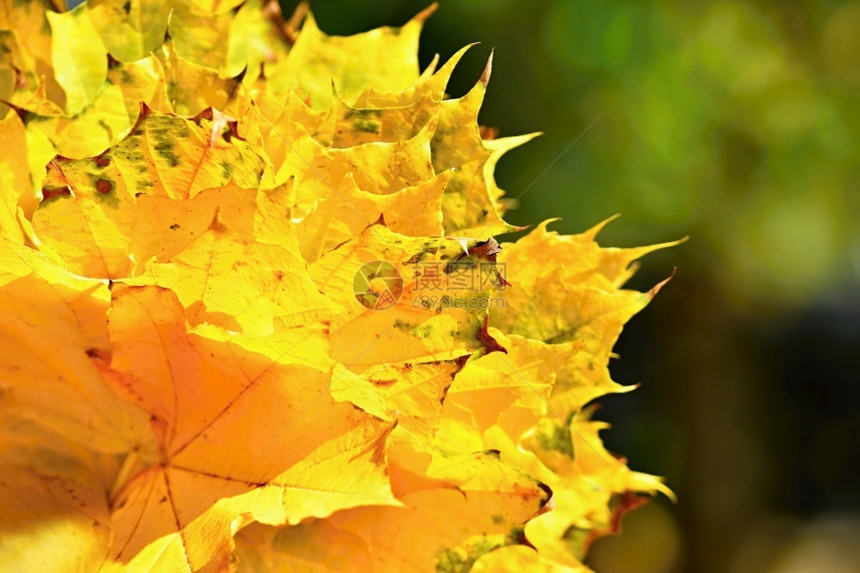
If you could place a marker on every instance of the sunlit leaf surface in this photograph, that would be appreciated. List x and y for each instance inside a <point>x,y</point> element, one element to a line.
<point>254,318</point>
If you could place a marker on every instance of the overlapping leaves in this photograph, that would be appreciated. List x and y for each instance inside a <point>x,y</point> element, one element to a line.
<point>189,381</point>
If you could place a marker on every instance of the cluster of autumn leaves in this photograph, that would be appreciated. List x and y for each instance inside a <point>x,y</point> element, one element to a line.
<point>188,382</point>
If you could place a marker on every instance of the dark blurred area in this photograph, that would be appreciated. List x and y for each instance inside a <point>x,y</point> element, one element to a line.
<point>736,124</point>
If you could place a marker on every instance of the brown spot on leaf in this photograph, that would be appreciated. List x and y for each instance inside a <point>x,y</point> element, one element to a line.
<point>205,114</point>
<point>490,343</point>
<point>621,505</point>
<point>92,352</point>
<point>547,493</point>
<point>486,250</point>
<point>51,192</point>
<point>444,393</point>
<point>216,224</point>
<point>488,133</point>
<point>104,186</point>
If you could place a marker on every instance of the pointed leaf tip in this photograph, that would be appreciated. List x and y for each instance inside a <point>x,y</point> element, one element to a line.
<point>656,288</point>
<point>488,69</point>
<point>424,14</point>
<point>294,23</point>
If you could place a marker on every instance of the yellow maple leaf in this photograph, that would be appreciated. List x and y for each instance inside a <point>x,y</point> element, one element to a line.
<point>201,388</point>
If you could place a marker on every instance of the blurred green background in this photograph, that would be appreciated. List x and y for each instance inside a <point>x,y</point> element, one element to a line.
<point>735,123</point>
